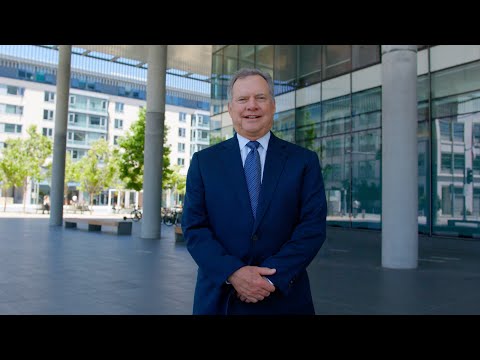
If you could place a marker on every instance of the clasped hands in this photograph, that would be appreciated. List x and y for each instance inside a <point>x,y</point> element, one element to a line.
<point>250,283</point>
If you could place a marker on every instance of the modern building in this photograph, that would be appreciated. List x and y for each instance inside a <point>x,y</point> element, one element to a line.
<point>329,99</point>
<point>100,105</point>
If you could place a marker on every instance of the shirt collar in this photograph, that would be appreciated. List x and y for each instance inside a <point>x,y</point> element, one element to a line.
<point>242,141</point>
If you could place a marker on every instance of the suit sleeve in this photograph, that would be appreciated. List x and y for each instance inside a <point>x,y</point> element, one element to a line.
<point>210,256</point>
<point>309,234</point>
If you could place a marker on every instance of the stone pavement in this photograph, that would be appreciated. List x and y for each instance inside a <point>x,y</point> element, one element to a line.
<point>53,270</point>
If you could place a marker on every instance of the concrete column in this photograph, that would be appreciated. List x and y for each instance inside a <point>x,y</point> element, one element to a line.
<point>60,135</point>
<point>153,152</point>
<point>399,157</point>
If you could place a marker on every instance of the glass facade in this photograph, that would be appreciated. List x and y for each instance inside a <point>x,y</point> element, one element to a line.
<point>329,99</point>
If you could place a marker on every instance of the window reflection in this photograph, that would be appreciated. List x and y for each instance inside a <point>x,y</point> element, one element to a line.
<point>456,165</point>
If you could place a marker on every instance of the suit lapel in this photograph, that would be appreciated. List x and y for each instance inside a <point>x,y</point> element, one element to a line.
<point>274,164</point>
<point>232,164</point>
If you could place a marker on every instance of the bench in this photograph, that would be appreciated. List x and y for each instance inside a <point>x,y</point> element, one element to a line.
<point>121,227</point>
<point>178,233</point>
<point>72,208</point>
<point>42,208</point>
<point>464,223</point>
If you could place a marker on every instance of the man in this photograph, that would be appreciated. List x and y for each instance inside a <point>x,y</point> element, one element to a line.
<point>253,231</point>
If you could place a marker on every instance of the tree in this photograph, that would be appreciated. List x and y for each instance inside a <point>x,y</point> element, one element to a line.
<point>216,139</point>
<point>71,173</point>
<point>177,182</point>
<point>131,163</point>
<point>37,148</point>
<point>32,153</point>
<point>97,169</point>
<point>10,167</point>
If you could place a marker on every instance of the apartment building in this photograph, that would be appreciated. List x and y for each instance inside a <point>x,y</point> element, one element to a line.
<point>100,106</point>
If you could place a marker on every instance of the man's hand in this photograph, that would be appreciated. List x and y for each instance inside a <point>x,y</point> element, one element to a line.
<point>250,284</point>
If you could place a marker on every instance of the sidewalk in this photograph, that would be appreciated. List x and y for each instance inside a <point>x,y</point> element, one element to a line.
<point>52,270</point>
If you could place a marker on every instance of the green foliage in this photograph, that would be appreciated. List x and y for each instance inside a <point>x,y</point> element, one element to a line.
<point>23,159</point>
<point>97,170</point>
<point>37,149</point>
<point>215,139</point>
<point>131,159</point>
<point>177,181</point>
<point>10,166</point>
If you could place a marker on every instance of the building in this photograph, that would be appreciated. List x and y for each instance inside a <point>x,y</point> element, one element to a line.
<point>329,99</point>
<point>99,106</point>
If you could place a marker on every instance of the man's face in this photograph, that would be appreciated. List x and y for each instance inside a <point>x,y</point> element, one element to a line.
<point>251,108</point>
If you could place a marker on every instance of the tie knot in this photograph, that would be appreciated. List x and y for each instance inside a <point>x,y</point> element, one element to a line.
<point>253,144</point>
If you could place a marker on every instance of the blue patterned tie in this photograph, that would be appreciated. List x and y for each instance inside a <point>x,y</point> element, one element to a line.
<point>253,174</point>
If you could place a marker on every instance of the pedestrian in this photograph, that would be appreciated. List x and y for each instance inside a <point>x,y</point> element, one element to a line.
<point>46,204</point>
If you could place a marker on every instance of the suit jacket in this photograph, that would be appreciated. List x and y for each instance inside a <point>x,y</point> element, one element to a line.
<point>222,235</point>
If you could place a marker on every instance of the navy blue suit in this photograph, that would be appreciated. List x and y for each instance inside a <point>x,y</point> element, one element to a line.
<point>222,235</point>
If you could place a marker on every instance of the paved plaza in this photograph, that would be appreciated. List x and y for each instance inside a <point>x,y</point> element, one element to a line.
<point>50,270</point>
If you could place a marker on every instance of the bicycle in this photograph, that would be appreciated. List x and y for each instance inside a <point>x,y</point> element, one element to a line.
<point>136,215</point>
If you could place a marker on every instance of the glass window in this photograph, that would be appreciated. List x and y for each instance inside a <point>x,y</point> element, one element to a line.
<point>119,107</point>
<point>337,60</point>
<point>13,128</point>
<point>367,109</point>
<point>78,136</point>
<point>47,132</point>
<point>458,132</point>
<point>47,114</point>
<point>95,121</point>
<point>284,125</point>
<point>366,179</point>
<point>217,83</point>
<point>49,96</point>
<point>118,124</point>
<point>308,125</point>
<point>13,109</point>
<point>336,115</point>
<point>14,90</point>
<point>456,80</point>
<point>285,68</point>
<point>264,58</point>
<point>309,65</point>
<point>365,55</point>
<point>446,162</point>
<point>246,55</point>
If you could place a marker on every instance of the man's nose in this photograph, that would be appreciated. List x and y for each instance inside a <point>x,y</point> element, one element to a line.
<point>252,103</point>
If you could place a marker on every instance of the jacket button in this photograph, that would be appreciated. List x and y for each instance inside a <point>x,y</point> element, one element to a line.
<point>254,237</point>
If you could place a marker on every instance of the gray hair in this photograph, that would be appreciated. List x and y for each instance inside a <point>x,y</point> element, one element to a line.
<point>245,72</point>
